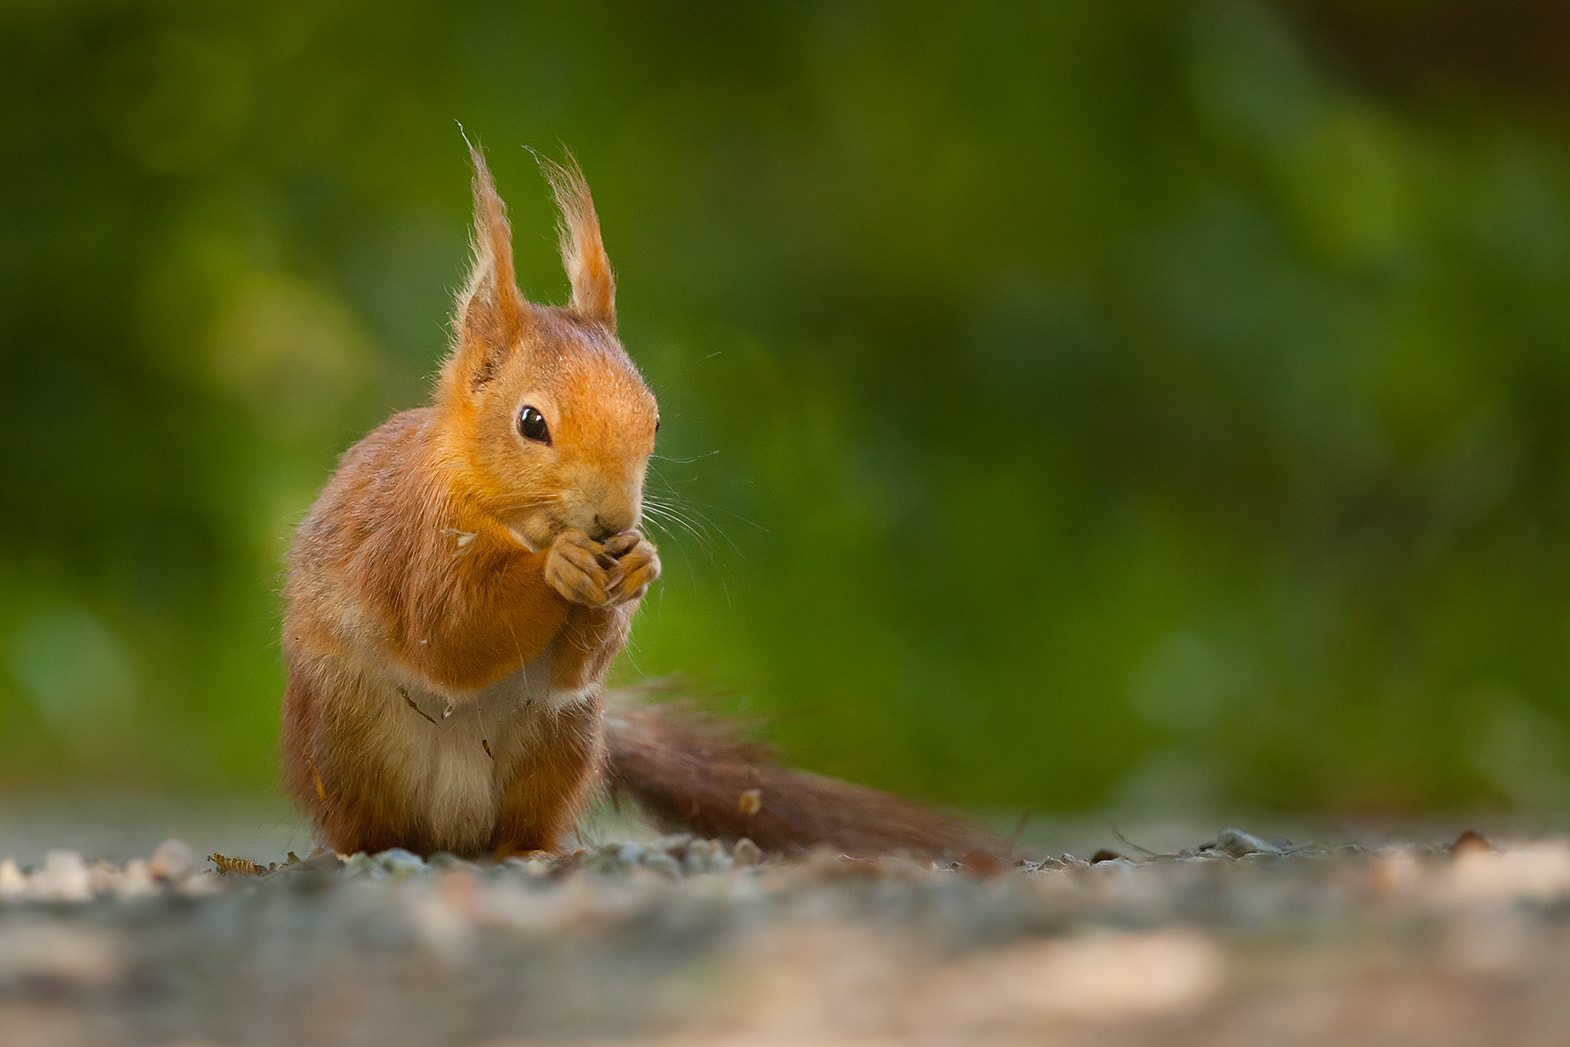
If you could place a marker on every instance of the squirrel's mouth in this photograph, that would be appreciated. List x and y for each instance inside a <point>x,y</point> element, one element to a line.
<point>537,526</point>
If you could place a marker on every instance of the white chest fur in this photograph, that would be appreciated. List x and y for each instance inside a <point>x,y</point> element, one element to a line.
<point>451,754</point>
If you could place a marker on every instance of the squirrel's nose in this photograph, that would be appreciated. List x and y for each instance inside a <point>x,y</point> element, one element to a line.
<point>609,509</point>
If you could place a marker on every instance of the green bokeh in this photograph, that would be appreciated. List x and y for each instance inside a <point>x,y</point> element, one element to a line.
<point>1075,405</point>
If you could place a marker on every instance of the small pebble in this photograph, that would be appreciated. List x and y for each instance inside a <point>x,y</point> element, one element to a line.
<point>64,878</point>
<point>400,864</point>
<point>661,862</point>
<point>12,883</point>
<point>362,864</point>
<point>445,860</point>
<point>174,862</point>
<point>675,845</point>
<point>135,880</point>
<point>1238,844</point>
<point>532,868</point>
<point>746,854</point>
<point>706,856</point>
<point>611,858</point>
<point>101,876</point>
<point>322,862</point>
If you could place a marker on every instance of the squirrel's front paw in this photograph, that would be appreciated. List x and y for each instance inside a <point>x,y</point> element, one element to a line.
<point>637,562</point>
<point>580,569</point>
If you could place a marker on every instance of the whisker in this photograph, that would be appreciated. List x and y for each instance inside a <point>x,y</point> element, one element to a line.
<point>666,514</point>
<point>694,519</point>
<point>698,507</point>
<point>683,522</point>
<point>687,461</point>
<point>687,514</point>
<point>692,577</point>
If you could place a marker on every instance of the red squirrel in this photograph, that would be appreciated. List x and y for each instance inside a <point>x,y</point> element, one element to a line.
<point>464,581</point>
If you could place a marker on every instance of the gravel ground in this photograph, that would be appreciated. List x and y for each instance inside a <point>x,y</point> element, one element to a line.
<point>675,940</point>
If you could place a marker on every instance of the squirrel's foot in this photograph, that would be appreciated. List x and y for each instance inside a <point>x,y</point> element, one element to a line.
<point>637,562</point>
<point>579,568</point>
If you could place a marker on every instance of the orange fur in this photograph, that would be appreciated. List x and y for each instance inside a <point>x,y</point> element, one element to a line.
<point>583,252</point>
<point>459,589</point>
<point>464,581</point>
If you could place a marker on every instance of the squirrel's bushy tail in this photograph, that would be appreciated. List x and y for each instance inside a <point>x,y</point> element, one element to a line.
<point>691,771</point>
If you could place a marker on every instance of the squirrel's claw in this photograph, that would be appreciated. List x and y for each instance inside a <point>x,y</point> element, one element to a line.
<point>573,568</point>
<point>596,574</point>
<point>638,563</point>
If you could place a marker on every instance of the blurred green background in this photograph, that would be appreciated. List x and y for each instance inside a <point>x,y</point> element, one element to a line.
<point>1145,405</point>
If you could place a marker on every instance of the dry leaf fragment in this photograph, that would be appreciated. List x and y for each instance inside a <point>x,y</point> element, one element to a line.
<point>414,705</point>
<point>321,790</point>
<point>242,866</point>
<point>461,539</point>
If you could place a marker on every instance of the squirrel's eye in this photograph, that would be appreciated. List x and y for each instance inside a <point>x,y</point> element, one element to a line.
<point>531,424</point>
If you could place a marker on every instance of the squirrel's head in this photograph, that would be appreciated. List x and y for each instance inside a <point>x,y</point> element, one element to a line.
<point>551,421</point>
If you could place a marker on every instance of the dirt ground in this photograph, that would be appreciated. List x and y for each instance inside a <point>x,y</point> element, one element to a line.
<point>1236,940</point>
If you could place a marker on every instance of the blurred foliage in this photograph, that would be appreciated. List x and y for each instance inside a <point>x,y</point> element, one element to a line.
<point>1069,404</point>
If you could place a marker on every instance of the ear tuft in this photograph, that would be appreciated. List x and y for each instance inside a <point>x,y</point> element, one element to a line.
<point>491,313</point>
<point>582,250</point>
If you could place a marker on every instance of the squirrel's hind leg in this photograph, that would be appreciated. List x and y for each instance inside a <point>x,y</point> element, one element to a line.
<point>552,782</point>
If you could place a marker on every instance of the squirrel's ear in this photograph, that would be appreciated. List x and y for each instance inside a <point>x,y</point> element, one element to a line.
<point>491,312</point>
<point>582,250</point>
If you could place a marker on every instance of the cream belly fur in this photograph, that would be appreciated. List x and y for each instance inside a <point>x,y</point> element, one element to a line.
<point>451,754</point>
